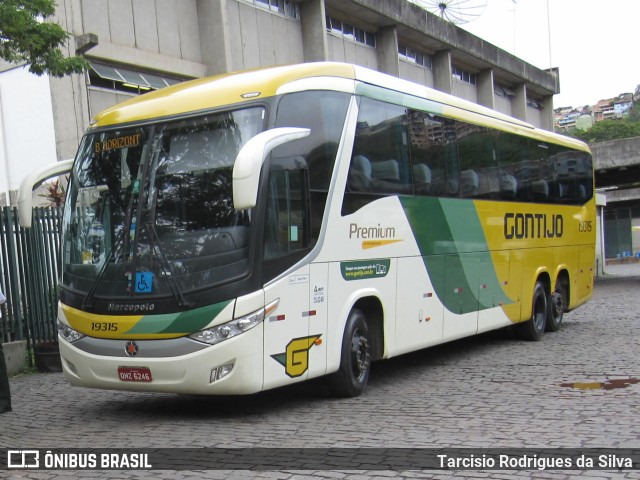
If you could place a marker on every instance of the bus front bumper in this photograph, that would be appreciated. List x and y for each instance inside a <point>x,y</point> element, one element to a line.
<point>192,373</point>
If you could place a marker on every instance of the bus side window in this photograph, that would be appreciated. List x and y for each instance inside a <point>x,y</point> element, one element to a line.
<point>452,169</point>
<point>478,162</point>
<point>380,164</point>
<point>433,155</point>
<point>516,173</point>
<point>572,175</point>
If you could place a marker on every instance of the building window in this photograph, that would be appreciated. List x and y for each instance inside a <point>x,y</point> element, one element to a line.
<point>126,80</point>
<point>349,32</point>
<point>412,56</point>
<point>503,91</point>
<point>284,7</point>
<point>534,104</point>
<point>463,76</point>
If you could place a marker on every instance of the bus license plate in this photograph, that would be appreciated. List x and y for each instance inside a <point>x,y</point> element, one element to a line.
<point>134,374</point>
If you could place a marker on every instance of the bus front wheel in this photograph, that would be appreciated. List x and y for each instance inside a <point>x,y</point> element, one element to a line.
<point>533,328</point>
<point>355,358</point>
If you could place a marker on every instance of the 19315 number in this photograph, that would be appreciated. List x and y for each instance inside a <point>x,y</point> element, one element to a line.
<point>104,326</point>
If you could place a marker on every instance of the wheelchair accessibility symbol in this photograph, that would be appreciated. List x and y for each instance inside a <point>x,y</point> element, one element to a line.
<point>144,282</point>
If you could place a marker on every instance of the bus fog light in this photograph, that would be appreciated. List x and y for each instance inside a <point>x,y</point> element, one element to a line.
<point>68,333</point>
<point>220,372</point>
<point>72,368</point>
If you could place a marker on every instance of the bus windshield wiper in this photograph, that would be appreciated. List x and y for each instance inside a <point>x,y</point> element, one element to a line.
<point>88,299</point>
<point>156,246</point>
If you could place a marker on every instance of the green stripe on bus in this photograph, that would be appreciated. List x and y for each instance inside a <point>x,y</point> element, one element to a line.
<point>397,98</point>
<point>455,252</point>
<point>184,322</point>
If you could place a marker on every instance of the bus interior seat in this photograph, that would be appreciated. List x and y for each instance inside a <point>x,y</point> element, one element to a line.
<point>386,177</point>
<point>566,192</point>
<point>202,243</point>
<point>470,183</point>
<point>508,186</point>
<point>582,192</point>
<point>229,239</point>
<point>540,190</point>
<point>422,178</point>
<point>388,170</point>
<point>360,174</point>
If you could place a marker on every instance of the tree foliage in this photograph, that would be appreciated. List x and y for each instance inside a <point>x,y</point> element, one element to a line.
<point>609,130</point>
<point>634,113</point>
<point>27,36</point>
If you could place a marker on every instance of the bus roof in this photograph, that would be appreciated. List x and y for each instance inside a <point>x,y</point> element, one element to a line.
<point>237,87</point>
<point>216,91</point>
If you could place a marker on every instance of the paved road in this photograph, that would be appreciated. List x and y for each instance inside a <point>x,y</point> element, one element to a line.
<point>489,391</point>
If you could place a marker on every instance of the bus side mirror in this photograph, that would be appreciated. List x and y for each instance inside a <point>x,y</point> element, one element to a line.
<point>31,181</point>
<point>246,170</point>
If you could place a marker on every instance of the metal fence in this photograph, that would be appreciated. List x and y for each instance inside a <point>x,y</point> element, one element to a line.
<point>29,266</point>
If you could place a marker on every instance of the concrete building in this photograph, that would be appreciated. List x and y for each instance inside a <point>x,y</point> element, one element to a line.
<point>138,45</point>
<point>604,110</point>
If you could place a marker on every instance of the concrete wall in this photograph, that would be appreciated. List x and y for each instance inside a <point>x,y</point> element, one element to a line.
<point>100,99</point>
<point>534,115</point>
<point>502,104</point>
<point>71,114</point>
<point>259,38</point>
<point>162,27</point>
<point>485,89</point>
<point>464,90</point>
<point>416,73</point>
<point>341,50</point>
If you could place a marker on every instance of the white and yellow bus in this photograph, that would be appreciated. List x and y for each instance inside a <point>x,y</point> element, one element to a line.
<point>252,230</point>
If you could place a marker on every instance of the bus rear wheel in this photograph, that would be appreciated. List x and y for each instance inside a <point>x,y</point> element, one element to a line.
<point>355,359</point>
<point>556,308</point>
<point>533,328</point>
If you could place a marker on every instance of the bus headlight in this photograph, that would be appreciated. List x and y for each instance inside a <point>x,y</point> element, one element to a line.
<point>235,327</point>
<point>68,333</point>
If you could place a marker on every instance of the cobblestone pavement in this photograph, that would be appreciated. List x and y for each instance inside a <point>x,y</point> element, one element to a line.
<point>488,391</point>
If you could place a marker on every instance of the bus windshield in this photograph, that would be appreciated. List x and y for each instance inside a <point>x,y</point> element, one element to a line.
<point>150,208</point>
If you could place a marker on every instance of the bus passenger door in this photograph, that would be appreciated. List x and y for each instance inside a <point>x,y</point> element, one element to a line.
<point>287,340</point>
<point>461,280</point>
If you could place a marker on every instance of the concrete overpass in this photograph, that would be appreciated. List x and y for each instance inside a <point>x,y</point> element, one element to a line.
<point>617,174</point>
<point>617,168</point>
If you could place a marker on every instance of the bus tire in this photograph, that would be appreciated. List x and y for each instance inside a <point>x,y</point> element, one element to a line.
<point>533,328</point>
<point>556,308</point>
<point>355,358</point>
